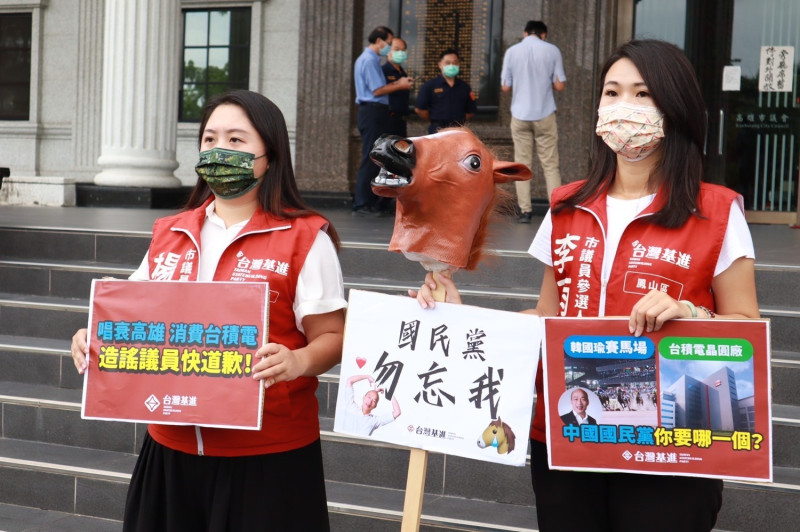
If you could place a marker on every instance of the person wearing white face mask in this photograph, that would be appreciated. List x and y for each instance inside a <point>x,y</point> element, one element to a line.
<point>398,100</point>
<point>644,191</point>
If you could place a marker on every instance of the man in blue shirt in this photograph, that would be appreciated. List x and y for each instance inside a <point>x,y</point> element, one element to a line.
<point>446,100</point>
<point>372,98</point>
<point>533,69</point>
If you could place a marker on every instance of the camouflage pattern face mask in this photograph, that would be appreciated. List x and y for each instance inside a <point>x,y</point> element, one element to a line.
<point>229,173</point>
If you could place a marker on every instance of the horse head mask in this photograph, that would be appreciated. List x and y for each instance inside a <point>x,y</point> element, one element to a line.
<point>445,189</point>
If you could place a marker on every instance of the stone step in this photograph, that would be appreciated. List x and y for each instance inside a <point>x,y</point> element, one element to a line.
<point>89,484</point>
<point>46,274</point>
<point>48,362</point>
<point>785,377</point>
<point>44,317</point>
<point>438,513</point>
<point>500,269</point>
<point>46,301</point>
<point>778,286</point>
<point>64,478</point>
<point>58,279</point>
<point>784,327</point>
<point>53,317</point>
<point>380,509</point>
<point>38,413</point>
<point>93,484</point>
<point>115,247</point>
<point>752,506</point>
<point>41,414</point>
<point>26,253</point>
<point>15,518</point>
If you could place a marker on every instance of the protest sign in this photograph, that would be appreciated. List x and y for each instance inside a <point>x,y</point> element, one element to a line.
<point>455,379</point>
<point>175,353</point>
<point>691,399</point>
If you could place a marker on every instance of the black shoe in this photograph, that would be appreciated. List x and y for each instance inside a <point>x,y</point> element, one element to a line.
<point>524,218</point>
<point>365,212</point>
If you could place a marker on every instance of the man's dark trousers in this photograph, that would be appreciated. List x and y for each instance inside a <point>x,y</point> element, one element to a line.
<point>373,121</point>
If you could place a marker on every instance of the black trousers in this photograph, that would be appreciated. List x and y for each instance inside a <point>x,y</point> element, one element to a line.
<point>373,121</point>
<point>171,491</point>
<point>569,501</point>
<point>397,125</point>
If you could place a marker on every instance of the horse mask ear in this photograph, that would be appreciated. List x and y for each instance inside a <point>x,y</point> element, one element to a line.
<point>505,171</point>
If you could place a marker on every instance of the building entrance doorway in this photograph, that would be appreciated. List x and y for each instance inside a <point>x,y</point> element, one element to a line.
<point>747,56</point>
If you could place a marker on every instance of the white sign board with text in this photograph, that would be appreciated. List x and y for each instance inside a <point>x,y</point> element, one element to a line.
<point>456,379</point>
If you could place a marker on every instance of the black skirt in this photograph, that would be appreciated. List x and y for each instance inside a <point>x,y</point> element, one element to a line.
<point>172,491</point>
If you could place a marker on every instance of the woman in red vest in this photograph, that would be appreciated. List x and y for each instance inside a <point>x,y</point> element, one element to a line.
<point>643,206</point>
<point>245,221</point>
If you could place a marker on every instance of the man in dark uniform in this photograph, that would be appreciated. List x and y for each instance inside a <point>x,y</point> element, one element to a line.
<point>398,100</point>
<point>446,100</point>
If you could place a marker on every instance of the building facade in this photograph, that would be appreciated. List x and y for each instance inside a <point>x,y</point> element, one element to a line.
<point>711,403</point>
<point>107,92</point>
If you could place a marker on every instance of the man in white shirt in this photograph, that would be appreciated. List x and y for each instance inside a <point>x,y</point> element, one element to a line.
<point>533,69</point>
<point>359,417</point>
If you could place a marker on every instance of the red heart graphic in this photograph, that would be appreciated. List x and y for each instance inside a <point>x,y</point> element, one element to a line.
<point>361,361</point>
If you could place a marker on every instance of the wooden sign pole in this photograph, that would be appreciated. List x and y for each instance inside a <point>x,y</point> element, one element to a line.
<point>418,464</point>
<point>415,488</point>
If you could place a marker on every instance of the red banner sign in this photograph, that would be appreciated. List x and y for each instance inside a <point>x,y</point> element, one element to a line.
<point>175,353</point>
<point>692,399</point>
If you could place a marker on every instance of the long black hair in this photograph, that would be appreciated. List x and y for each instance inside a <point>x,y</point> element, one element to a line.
<point>277,193</point>
<point>672,83</point>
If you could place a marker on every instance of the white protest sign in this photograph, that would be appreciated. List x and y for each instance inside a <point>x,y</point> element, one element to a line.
<point>456,379</point>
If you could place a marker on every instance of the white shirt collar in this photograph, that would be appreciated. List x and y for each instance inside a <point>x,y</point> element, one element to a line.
<point>213,217</point>
<point>581,420</point>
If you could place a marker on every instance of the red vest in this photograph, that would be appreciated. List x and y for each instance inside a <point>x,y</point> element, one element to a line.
<point>266,249</point>
<point>679,261</point>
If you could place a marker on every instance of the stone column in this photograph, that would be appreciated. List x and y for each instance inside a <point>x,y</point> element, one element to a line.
<point>86,132</point>
<point>326,110</point>
<point>140,93</point>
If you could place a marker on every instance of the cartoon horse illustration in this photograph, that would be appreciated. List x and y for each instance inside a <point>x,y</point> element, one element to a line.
<point>445,189</point>
<point>498,435</point>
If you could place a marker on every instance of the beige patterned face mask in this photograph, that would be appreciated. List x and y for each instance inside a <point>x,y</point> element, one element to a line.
<point>632,131</point>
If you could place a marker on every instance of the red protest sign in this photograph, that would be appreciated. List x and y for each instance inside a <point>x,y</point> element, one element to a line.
<point>175,353</point>
<point>691,399</point>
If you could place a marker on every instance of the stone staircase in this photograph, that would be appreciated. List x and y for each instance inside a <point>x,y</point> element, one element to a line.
<point>58,472</point>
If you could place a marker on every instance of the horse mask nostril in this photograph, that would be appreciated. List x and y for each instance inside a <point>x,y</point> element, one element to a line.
<point>395,154</point>
<point>403,151</point>
<point>403,146</point>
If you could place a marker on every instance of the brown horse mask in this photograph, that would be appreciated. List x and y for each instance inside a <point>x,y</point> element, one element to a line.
<point>445,189</point>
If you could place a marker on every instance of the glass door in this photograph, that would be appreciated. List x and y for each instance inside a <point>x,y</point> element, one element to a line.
<point>759,115</point>
<point>747,57</point>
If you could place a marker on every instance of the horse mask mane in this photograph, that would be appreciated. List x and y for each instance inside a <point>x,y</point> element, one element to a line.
<point>445,189</point>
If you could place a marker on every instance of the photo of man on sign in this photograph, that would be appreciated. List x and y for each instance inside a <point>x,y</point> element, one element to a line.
<point>360,417</point>
<point>577,411</point>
